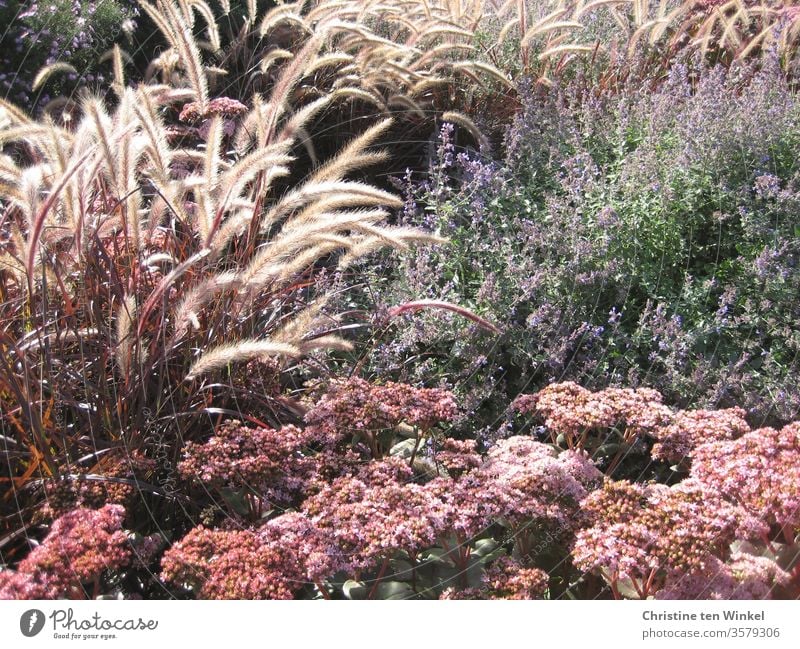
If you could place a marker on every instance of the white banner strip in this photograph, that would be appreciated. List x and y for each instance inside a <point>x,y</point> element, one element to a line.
<point>412,625</point>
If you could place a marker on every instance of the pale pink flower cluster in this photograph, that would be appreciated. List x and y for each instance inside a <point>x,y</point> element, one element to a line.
<point>760,470</point>
<point>572,410</point>
<point>222,106</point>
<point>369,521</point>
<point>504,579</point>
<point>691,428</point>
<point>81,545</point>
<point>264,459</point>
<point>317,555</point>
<point>648,532</point>
<point>374,511</point>
<point>357,406</point>
<point>457,456</point>
<point>743,576</point>
<point>522,480</point>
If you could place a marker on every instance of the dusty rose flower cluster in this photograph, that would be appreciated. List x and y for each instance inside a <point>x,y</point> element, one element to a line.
<point>573,411</point>
<point>356,512</point>
<point>68,493</point>
<point>356,406</point>
<point>261,459</point>
<point>646,533</point>
<point>760,470</point>
<point>317,555</point>
<point>274,561</point>
<point>374,510</point>
<point>80,547</point>
<point>507,579</point>
<point>232,564</point>
<point>369,521</point>
<point>222,106</point>
<point>691,428</point>
<point>743,576</point>
<point>526,480</point>
<point>504,579</point>
<point>457,456</point>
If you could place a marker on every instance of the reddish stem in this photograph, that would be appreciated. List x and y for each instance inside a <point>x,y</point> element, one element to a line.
<point>322,590</point>
<point>379,578</point>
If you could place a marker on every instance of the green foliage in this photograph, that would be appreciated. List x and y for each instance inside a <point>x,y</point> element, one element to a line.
<point>632,238</point>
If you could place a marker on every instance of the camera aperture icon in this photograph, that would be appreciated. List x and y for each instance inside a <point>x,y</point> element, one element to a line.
<point>31,622</point>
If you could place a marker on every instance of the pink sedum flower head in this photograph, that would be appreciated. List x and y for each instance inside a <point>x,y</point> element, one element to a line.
<point>572,410</point>
<point>21,585</point>
<point>81,545</point>
<point>356,405</point>
<point>529,481</point>
<point>760,470</point>
<point>504,579</point>
<point>369,521</point>
<point>689,429</point>
<point>317,556</point>
<point>648,532</point>
<point>263,459</point>
<point>458,456</point>
<point>222,106</point>
<point>744,576</point>
<point>232,564</point>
